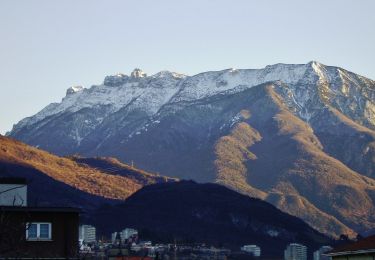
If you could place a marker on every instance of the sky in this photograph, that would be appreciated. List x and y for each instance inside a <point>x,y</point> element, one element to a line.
<point>47,46</point>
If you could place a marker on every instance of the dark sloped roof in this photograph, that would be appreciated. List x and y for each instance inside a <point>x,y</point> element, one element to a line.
<point>12,180</point>
<point>362,246</point>
<point>39,209</point>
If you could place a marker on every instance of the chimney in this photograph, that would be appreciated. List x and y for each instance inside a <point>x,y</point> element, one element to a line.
<point>13,192</point>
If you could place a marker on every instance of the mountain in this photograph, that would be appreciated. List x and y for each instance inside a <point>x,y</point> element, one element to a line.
<point>159,206</point>
<point>207,213</point>
<point>301,136</point>
<point>87,183</point>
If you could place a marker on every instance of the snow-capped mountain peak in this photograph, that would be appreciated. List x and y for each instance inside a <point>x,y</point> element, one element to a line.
<point>74,89</point>
<point>168,74</point>
<point>320,70</point>
<point>150,93</point>
<point>138,73</point>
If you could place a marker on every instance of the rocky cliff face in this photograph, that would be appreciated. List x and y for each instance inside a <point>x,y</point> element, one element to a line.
<point>299,136</point>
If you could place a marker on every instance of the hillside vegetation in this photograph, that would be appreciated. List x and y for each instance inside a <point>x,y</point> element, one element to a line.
<point>76,174</point>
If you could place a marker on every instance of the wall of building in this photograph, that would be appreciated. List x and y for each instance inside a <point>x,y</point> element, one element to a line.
<point>64,242</point>
<point>87,233</point>
<point>295,252</point>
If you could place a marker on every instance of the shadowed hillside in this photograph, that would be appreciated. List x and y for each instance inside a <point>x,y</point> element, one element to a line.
<point>189,212</point>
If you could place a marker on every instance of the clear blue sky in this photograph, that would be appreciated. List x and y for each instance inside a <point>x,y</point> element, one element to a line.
<point>48,46</point>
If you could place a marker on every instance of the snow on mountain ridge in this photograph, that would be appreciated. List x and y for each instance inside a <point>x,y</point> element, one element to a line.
<point>167,74</point>
<point>117,91</point>
<point>74,89</point>
<point>138,73</point>
<point>150,93</point>
<point>211,83</point>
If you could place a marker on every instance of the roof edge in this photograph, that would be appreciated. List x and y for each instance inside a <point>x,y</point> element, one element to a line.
<point>363,251</point>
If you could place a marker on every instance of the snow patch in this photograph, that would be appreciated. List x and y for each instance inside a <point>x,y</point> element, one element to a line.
<point>74,89</point>
<point>138,73</point>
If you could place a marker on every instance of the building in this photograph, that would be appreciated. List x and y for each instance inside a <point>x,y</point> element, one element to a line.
<point>87,233</point>
<point>38,232</point>
<point>320,254</point>
<point>13,192</point>
<point>35,232</point>
<point>114,238</point>
<point>126,235</point>
<point>128,232</point>
<point>252,249</point>
<point>363,249</point>
<point>295,251</point>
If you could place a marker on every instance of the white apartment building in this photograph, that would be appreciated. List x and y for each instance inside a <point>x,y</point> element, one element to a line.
<point>128,232</point>
<point>318,254</point>
<point>124,235</point>
<point>295,251</point>
<point>252,249</point>
<point>87,233</point>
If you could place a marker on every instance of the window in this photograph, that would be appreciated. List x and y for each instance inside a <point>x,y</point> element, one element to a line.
<point>32,231</point>
<point>38,231</point>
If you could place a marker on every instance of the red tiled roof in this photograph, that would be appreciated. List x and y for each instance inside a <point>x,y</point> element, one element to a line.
<point>366,244</point>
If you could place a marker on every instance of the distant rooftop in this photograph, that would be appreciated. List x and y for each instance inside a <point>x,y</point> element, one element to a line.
<point>365,245</point>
